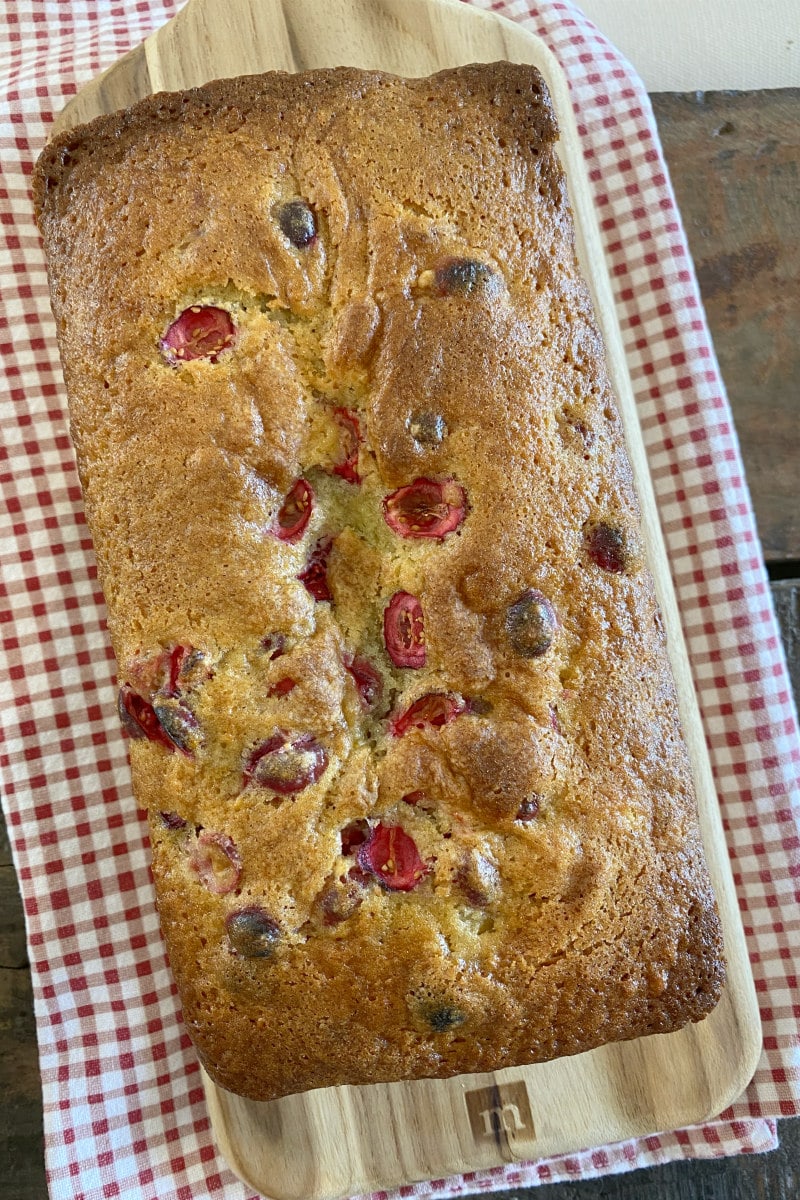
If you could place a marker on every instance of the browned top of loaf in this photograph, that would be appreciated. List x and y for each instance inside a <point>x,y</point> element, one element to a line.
<point>526,938</point>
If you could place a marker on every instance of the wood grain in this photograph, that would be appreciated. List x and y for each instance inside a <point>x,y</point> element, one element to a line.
<point>735,165</point>
<point>346,1140</point>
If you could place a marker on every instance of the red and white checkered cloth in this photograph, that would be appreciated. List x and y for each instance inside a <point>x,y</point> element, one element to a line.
<point>123,1104</point>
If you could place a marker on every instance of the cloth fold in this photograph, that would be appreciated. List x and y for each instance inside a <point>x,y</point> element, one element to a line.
<point>123,1104</point>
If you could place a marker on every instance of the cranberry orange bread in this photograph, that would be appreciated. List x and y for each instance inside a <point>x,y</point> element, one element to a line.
<point>389,654</point>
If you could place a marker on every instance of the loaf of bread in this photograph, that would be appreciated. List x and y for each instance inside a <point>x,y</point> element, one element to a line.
<point>389,652</point>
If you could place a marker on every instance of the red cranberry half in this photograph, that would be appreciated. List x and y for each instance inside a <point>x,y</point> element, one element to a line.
<point>201,331</point>
<point>426,509</point>
<point>217,861</point>
<point>435,709</point>
<point>392,857</point>
<point>367,680</point>
<point>252,933</point>
<point>404,631</point>
<point>295,512</point>
<point>315,574</point>
<point>139,718</point>
<point>351,438</point>
<point>284,765</point>
<point>606,546</point>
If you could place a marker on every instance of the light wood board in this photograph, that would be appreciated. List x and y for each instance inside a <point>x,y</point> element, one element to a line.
<point>342,1141</point>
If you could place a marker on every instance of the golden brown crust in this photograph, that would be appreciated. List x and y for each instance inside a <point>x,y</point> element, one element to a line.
<point>560,899</point>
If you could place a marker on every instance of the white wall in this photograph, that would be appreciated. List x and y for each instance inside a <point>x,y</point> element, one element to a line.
<point>688,45</point>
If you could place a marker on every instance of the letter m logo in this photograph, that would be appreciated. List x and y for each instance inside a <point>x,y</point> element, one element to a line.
<point>499,1113</point>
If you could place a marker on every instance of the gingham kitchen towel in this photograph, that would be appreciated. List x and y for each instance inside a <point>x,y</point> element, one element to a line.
<point>123,1105</point>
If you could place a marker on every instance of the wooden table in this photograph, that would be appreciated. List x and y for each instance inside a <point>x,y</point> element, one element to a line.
<point>735,165</point>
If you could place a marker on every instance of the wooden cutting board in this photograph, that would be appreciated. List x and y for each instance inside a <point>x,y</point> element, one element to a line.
<point>340,1141</point>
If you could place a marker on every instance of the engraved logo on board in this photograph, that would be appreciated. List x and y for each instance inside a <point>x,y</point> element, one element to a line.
<point>500,1112</point>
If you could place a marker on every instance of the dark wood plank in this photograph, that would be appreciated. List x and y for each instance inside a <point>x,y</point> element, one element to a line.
<point>5,846</point>
<point>786,598</point>
<point>21,1139</point>
<point>774,1176</point>
<point>734,159</point>
<point>13,948</point>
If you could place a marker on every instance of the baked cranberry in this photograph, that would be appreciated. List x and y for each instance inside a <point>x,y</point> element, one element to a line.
<point>284,765</point>
<point>607,547</point>
<point>171,820</point>
<point>531,624</point>
<point>177,658</point>
<point>478,880</point>
<point>443,1017</point>
<point>179,724</point>
<point>315,574</point>
<point>170,672</point>
<point>340,899</point>
<point>295,512</point>
<point>139,718</point>
<point>136,715</point>
<point>413,798</point>
<point>392,857</point>
<point>282,687</point>
<point>351,439</point>
<point>217,861</point>
<point>435,709</point>
<point>354,835</point>
<point>462,277</point>
<point>193,669</point>
<point>426,509</point>
<point>428,429</point>
<point>586,435</point>
<point>201,331</point>
<point>251,932</point>
<point>528,809</point>
<point>153,708</point>
<point>274,644</point>
<point>404,631</point>
<point>367,680</point>
<point>297,223</point>
<point>150,673</point>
